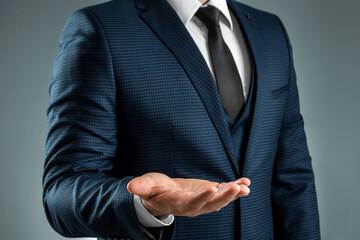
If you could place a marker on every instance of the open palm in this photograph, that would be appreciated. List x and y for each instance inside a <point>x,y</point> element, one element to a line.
<point>161,194</point>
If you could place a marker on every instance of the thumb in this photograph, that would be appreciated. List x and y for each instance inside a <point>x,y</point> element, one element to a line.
<point>140,186</point>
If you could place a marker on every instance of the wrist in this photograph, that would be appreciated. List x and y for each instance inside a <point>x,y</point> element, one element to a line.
<point>153,211</point>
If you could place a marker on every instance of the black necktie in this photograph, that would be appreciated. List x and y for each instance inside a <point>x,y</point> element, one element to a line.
<point>227,76</point>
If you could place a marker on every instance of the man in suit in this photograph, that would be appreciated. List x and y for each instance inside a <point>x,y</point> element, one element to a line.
<point>161,111</point>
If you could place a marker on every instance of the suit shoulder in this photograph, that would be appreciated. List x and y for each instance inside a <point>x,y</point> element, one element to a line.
<point>264,20</point>
<point>269,26</point>
<point>262,17</point>
<point>110,8</point>
<point>110,12</point>
<point>253,10</point>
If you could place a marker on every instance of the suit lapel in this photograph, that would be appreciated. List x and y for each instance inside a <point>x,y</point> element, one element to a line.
<point>256,48</point>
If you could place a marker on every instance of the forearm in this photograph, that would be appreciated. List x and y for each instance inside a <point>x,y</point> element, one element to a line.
<point>295,209</point>
<point>90,205</point>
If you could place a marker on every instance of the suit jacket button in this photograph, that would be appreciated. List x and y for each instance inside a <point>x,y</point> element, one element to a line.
<point>248,16</point>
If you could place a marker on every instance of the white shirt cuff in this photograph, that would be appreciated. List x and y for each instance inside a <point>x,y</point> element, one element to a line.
<point>146,219</point>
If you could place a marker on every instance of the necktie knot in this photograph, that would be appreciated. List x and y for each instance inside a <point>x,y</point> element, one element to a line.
<point>209,15</point>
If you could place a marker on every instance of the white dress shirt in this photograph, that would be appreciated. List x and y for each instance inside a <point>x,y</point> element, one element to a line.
<point>233,37</point>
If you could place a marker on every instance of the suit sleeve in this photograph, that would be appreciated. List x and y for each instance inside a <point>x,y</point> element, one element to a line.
<point>81,195</point>
<point>293,192</point>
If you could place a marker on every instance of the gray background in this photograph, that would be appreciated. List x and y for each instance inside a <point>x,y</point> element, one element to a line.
<point>325,37</point>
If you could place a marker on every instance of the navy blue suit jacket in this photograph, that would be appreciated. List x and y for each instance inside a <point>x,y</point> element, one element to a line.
<point>131,93</point>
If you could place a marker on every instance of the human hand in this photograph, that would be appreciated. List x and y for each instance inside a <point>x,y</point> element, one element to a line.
<point>161,194</point>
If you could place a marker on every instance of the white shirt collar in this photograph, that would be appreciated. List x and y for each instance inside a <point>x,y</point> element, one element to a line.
<point>186,9</point>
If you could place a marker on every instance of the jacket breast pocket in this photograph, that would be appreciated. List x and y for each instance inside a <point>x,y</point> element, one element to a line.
<point>277,93</point>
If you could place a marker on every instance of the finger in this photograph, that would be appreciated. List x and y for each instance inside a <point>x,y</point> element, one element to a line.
<point>199,199</point>
<point>245,190</point>
<point>223,197</point>
<point>243,180</point>
<point>221,186</point>
<point>140,186</point>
